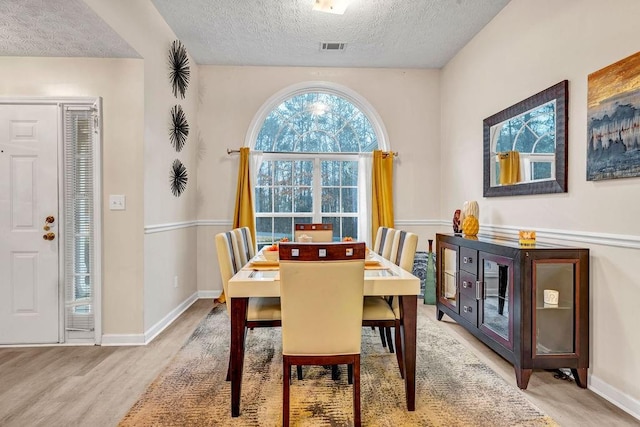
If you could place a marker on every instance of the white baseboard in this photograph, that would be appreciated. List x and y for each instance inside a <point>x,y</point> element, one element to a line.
<point>615,396</point>
<point>152,332</point>
<point>122,339</point>
<point>209,294</point>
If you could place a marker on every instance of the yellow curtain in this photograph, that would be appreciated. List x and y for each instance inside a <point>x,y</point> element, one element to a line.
<point>243,215</point>
<point>382,188</point>
<point>509,167</point>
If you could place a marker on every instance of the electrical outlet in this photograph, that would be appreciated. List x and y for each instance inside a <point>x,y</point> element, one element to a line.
<point>175,281</point>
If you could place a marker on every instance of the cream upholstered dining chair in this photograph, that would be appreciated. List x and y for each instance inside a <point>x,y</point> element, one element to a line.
<point>317,232</point>
<point>375,309</point>
<point>321,292</point>
<point>384,312</point>
<point>235,249</point>
<point>384,241</point>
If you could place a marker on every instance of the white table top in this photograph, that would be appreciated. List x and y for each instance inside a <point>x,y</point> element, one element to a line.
<point>265,283</point>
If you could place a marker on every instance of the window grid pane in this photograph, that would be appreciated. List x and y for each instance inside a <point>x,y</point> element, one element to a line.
<point>292,191</point>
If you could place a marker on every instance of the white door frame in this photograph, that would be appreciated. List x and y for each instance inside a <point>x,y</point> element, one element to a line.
<point>61,102</point>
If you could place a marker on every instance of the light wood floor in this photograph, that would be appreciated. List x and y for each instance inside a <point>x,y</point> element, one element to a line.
<point>96,386</point>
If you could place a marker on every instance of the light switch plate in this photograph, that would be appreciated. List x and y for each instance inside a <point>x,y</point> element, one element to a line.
<point>117,202</point>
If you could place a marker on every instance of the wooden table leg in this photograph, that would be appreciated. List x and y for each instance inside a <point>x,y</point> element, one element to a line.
<point>238,322</point>
<point>409,317</point>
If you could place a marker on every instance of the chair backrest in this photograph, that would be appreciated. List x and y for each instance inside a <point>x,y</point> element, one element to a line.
<point>384,241</point>
<point>321,297</point>
<point>403,249</point>
<point>317,232</point>
<point>235,249</point>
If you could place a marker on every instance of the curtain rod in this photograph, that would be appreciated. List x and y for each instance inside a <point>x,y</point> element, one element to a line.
<point>384,153</point>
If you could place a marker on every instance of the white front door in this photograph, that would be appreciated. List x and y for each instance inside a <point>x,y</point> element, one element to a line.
<point>29,292</point>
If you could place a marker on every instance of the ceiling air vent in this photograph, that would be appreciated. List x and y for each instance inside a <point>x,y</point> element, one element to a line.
<point>332,47</point>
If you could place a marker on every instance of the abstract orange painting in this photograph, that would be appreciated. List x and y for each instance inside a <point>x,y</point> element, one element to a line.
<point>613,115</point>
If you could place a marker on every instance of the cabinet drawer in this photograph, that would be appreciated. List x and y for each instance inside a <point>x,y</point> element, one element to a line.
<point>468,285</point>
<point>469,309</point>
<point>469,260</point>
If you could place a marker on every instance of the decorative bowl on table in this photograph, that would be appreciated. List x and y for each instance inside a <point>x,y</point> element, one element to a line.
<point>270,254</point>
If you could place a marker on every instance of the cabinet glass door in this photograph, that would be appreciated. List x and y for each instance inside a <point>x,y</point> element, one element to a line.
<point>553,287</point>
<point>449,275</point>
<point>496,297</point>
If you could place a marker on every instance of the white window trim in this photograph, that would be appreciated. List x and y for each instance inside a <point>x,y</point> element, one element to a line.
<point>323,87</point>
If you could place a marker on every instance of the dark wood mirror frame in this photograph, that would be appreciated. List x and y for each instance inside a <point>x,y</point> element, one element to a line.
<point>559,93</point>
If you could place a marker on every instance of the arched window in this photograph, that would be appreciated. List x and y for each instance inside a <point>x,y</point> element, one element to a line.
<point>312,138</point>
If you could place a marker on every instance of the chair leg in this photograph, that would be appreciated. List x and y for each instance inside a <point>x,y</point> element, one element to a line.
<point>357,422</point>
<point>382,338</point>
<point>399,354</point>
<point>286,371</point>
<point>389,340</point>
<point>299,369</point>
<point>350,373</point>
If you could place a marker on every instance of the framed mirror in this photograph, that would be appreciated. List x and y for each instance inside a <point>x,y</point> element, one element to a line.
<point>525,146</point>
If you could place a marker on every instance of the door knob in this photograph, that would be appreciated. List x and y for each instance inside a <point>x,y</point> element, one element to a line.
<point>48,220</point>
<point>49,236</point>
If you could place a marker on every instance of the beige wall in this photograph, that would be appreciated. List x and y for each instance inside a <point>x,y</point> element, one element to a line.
<point>407,101</point>
<point>529,46</point>
<point>169,240</point>
<point>120,83</point>
<point>433,118</point>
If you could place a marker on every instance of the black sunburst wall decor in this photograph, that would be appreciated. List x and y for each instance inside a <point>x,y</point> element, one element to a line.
<point>179,128</point>
<point>179,68</point>
<point>178,178</point>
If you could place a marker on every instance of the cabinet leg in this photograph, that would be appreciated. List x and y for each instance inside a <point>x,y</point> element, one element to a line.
<point>580,375</point>
<point>522,377</point>
<point>439,314</point>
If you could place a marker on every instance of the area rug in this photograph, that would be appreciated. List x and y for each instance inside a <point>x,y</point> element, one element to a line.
<point>453,388</point>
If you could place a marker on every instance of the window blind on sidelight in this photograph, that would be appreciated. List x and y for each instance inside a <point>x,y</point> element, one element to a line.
<point>80,138</point>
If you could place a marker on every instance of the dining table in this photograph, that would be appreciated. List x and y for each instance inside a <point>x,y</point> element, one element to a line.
<point>260,278</point>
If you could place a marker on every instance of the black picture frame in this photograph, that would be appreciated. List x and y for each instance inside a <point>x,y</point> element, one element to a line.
<point>558,92</point>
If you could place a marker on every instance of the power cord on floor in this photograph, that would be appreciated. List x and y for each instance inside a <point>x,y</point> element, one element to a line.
<point>559,374</point>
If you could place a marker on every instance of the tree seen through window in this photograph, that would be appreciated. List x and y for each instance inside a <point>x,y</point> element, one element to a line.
<point>309,173</point>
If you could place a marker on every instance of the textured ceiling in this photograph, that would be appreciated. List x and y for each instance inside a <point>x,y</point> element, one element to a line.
<point>57,28</point>
<point>377,33</point>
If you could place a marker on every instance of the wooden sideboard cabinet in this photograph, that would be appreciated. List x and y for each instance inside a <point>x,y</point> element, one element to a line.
<point>497,290</point>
